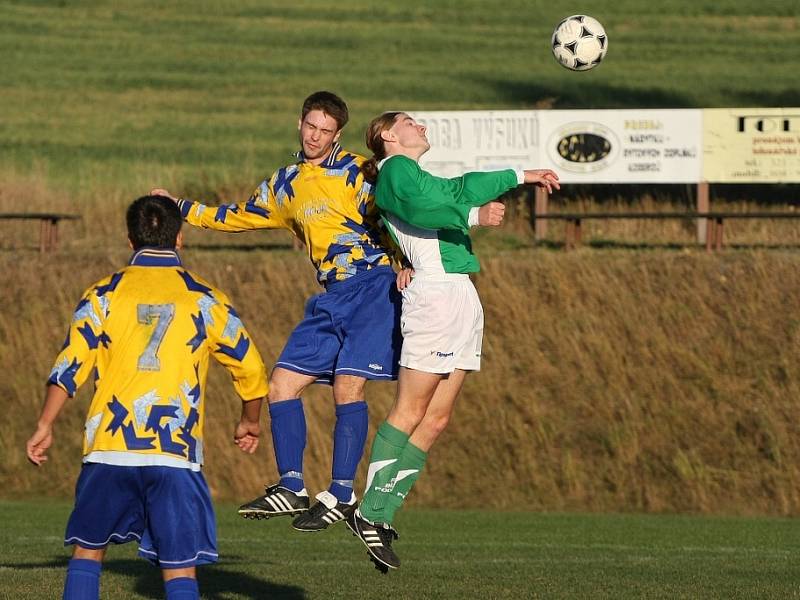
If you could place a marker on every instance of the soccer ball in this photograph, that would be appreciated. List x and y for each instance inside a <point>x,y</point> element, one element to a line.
<point>579,42</point>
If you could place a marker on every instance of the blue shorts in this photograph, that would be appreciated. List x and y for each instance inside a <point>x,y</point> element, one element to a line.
<point>167,510</point>
<point>353,328</point>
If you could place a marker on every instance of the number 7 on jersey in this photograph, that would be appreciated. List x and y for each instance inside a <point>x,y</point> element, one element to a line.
<point>145,313</point>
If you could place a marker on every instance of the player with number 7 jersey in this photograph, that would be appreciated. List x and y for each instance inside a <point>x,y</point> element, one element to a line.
<point>145,334</point>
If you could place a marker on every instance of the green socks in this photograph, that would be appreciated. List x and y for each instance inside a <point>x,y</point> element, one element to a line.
<point>394,466</point>
<point>409,467</point>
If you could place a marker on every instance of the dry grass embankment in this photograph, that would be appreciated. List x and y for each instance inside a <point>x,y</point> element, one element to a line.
<point>652,380</point>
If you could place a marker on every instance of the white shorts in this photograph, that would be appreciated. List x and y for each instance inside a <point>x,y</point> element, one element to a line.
<point>442,324</point>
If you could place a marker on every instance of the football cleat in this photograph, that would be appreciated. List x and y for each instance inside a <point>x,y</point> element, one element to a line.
<point>378,540</point>
<point>277,501</point>
<point>327,511</point>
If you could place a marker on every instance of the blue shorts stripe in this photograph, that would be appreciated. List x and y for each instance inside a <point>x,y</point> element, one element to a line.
<point>196,559</point>
<point>116,538</point>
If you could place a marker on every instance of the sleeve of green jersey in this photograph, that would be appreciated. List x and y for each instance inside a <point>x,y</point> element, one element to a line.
<point>425,200</point>
<point>414,196</point>
<point>478,188</point>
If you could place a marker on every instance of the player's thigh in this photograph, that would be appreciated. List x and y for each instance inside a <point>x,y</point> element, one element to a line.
<point>440,409</point>
<point>109,507</point>
<point>415,389</point>
<point>181,529</point>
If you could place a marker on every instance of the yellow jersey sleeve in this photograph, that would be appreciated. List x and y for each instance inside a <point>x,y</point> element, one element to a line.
<point>263,210</point>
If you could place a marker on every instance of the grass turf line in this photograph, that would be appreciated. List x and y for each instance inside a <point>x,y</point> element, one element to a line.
<point>446,554</point>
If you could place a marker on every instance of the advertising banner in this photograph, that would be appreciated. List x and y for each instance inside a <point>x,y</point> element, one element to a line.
<point>479,140</point>
<point>622,146</point>
<point>583,146</point>
<point>751,145</point>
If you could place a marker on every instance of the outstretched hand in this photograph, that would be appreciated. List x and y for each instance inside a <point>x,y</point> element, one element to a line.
<point>545,178</point>
<point>246,436</point>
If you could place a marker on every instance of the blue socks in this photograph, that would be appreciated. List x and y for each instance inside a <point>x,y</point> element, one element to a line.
<point>288,424</point>
<point>83,580</point>
<point>349,437</point>
<point>83,583</point>
<point>182,588</point>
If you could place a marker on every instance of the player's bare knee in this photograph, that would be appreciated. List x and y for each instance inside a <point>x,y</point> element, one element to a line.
<point>436,424</point>
<point>169,574</point>
<point>95,554</point>
<point>348,389</point>
<point>286,385</point>
<point>407,419</point>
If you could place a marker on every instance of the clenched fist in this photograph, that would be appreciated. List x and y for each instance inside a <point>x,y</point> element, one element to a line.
<point>491,214</point>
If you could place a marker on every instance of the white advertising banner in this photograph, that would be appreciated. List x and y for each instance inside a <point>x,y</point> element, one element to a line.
<point>622,146</point>
<point>751,145</point>
<point>583,146</point>
<point>479,140</point>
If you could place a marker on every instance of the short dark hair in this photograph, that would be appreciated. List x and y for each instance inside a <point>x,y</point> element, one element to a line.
<point>330,104</point>
<point>153,221</point>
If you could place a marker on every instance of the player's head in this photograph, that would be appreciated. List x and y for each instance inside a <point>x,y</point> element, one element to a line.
<point>322,119</point>
<point>154,222</point>
<point>393,133</point>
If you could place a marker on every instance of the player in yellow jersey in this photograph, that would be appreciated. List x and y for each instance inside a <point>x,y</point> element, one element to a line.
<point>145,335</point>
<point>349,333</point>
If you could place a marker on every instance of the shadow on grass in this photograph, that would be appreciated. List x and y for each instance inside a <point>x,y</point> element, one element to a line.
<point>597,95</point>
<point>216,581</point>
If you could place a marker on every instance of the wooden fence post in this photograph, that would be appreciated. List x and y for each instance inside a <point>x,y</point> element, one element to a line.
<point>539,208</point>
<point>703,205</point>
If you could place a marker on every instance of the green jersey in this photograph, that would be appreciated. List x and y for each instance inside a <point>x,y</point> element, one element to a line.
<point>429,217</point>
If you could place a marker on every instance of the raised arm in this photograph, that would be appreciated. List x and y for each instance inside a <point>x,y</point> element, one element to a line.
<point>263,210</point>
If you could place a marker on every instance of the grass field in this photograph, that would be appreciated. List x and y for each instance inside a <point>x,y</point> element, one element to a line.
<point>446,554</point>
<point>638,375</point>
<point>199,94</point>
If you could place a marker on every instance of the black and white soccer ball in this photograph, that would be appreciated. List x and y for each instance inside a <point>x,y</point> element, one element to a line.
<point>579,42</point>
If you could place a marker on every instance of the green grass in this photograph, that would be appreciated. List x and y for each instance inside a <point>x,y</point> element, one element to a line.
<point>136,93</point>
<point>446,554</point>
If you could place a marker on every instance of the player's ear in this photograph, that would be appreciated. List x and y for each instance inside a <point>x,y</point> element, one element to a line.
<point>179,241</point>
<point>337,135</point>
<point>299,123</point>
<point>387,135</point>
<point>130,243</point>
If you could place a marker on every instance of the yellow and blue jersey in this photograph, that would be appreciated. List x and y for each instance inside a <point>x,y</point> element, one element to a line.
<point>328,206</point>
<point>145,335</point>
